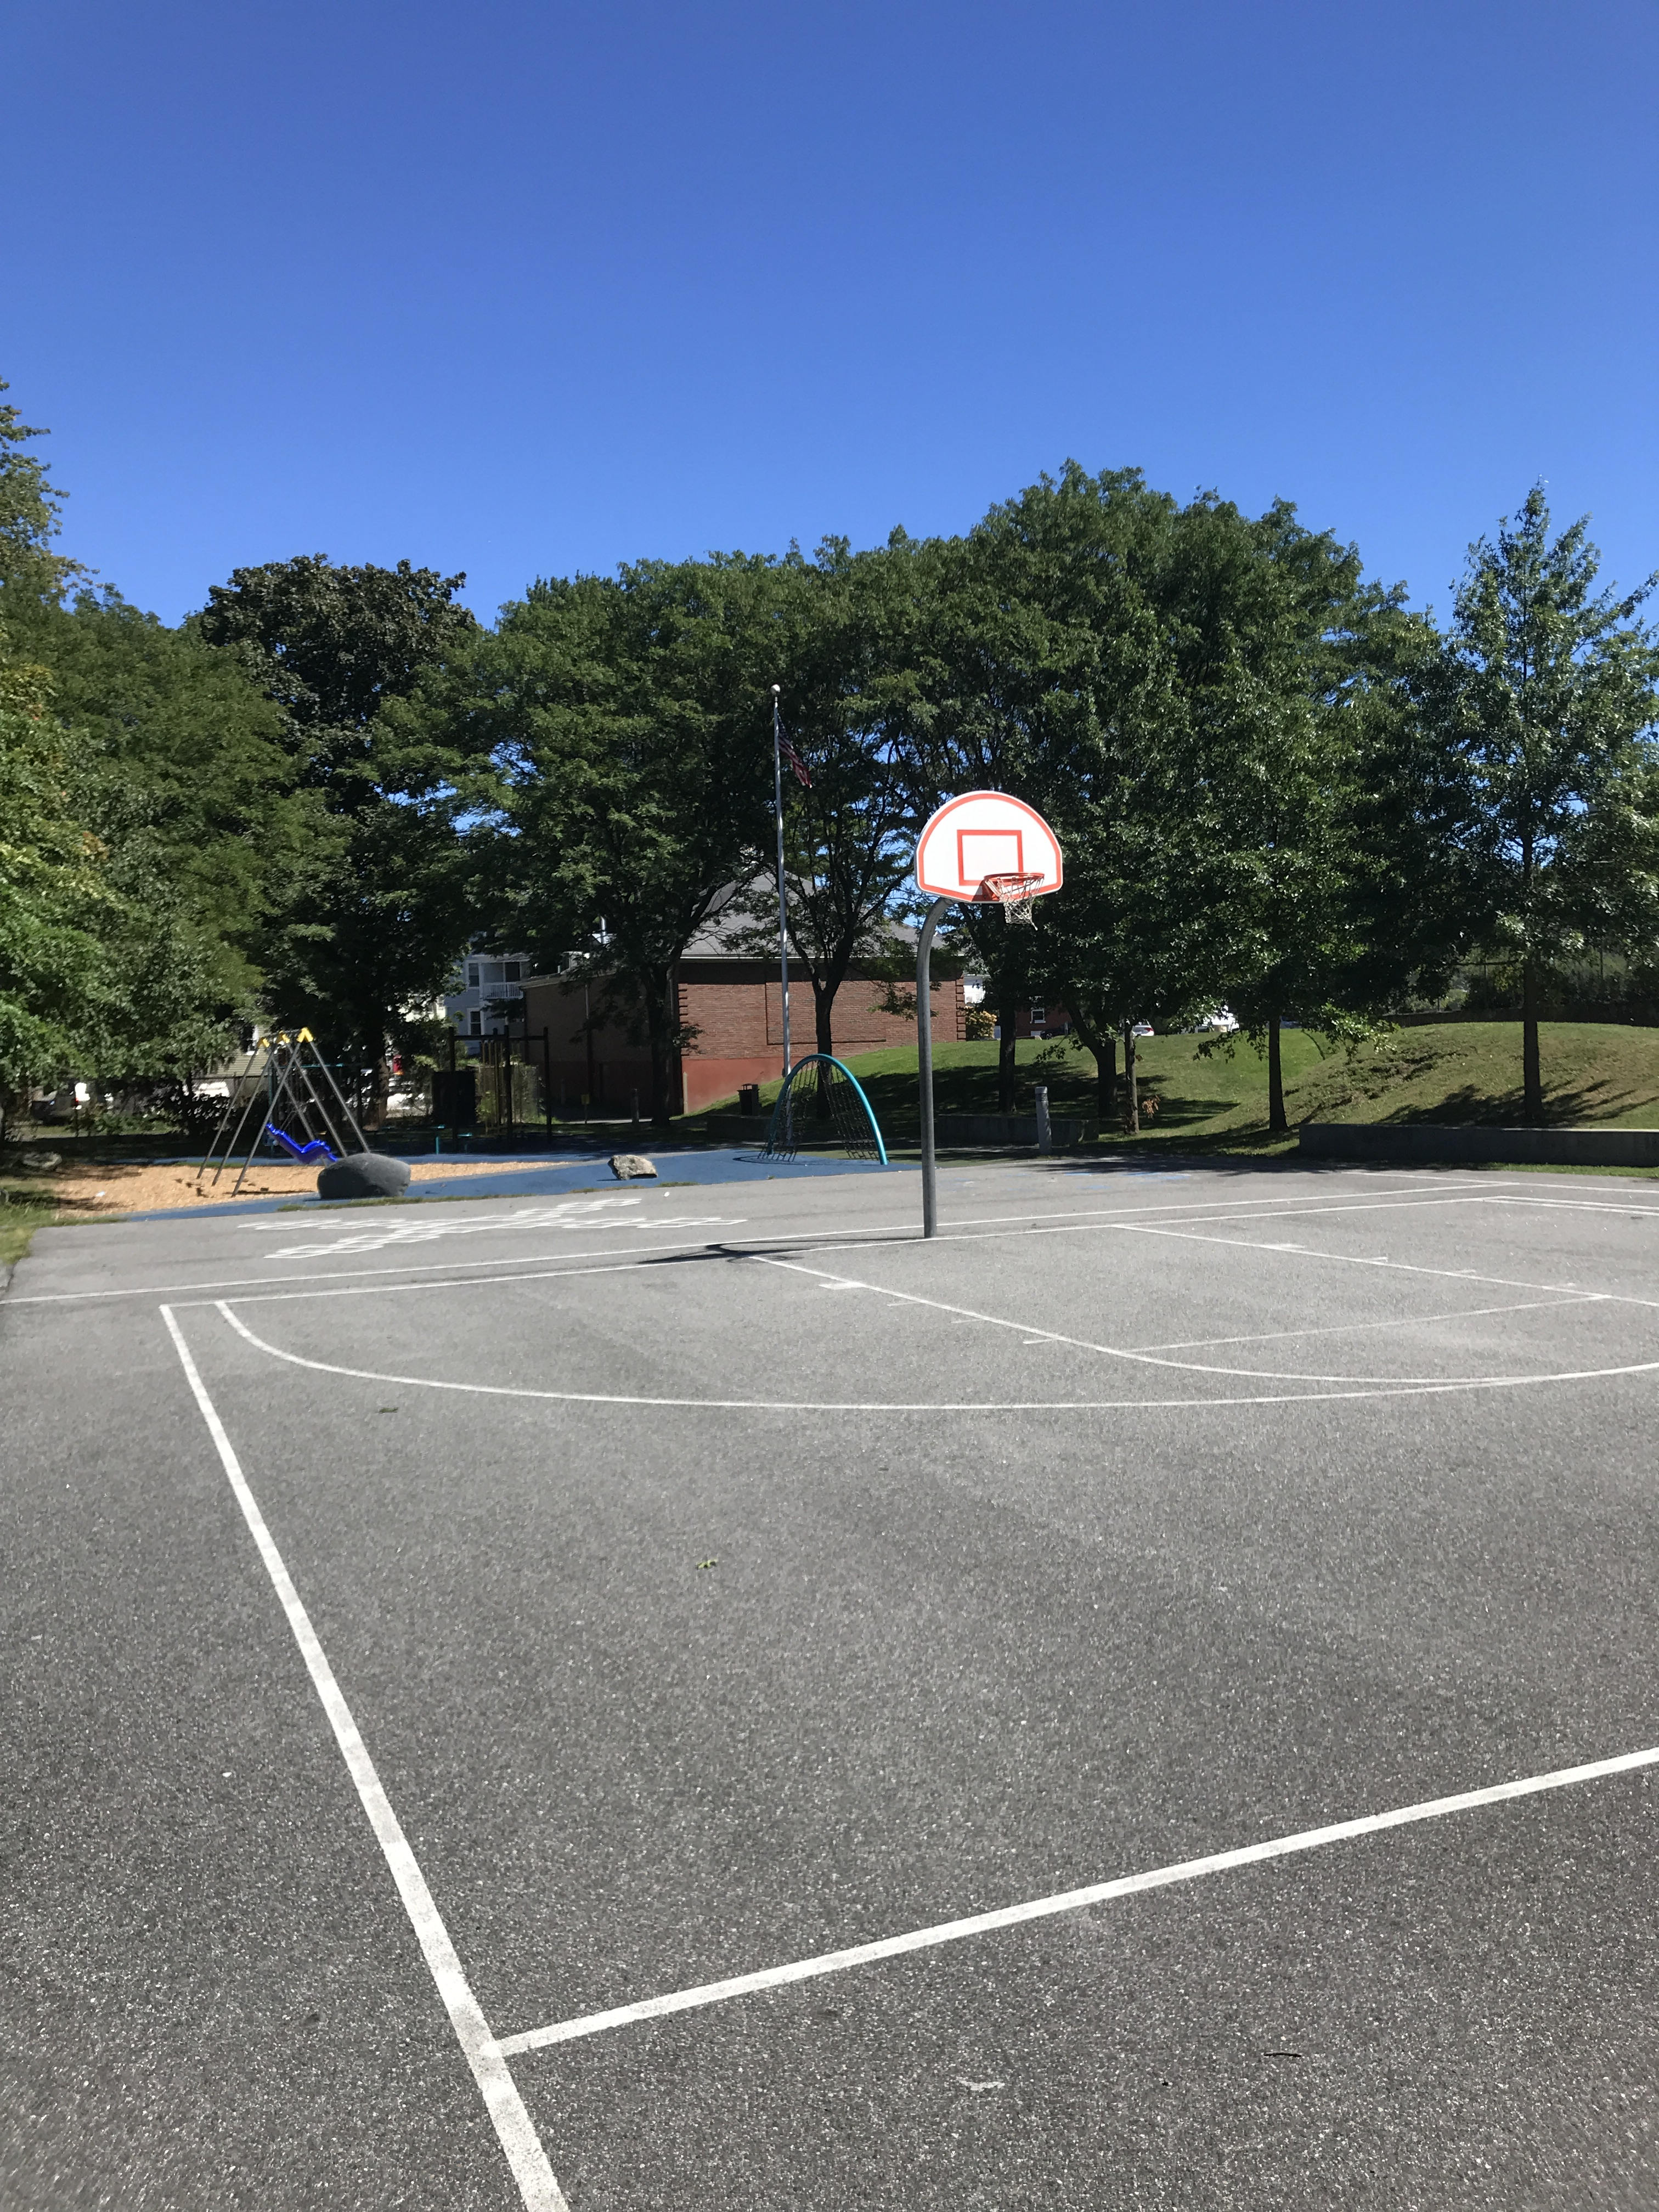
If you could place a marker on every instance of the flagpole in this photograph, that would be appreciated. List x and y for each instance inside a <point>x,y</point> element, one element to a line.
<point>783,910</point>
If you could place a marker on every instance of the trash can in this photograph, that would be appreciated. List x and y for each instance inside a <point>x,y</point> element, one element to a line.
<point>749,1098</point>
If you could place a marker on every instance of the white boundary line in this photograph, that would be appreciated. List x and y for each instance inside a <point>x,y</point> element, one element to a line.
<point>1034,1332</point>
<point>1397,1321</point>
<point>882,1241</point>
<point>1070,1900</point>
<point>1063,1219</point>
<point>1381,1389</point>
<point>513,2126</point>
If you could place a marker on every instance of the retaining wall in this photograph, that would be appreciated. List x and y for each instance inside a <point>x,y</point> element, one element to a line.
<point>1010,1129</point>
<point>1420,1141</point>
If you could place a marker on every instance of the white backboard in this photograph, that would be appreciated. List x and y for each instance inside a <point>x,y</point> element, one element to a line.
<point>985,833</point>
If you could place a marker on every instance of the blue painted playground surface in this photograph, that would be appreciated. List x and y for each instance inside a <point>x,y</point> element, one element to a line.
<point>536,1176</point>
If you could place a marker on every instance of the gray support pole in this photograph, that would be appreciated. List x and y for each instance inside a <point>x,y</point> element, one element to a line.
<point>788,1093</point>
<point>924,1063</point>
<point>783,908</point>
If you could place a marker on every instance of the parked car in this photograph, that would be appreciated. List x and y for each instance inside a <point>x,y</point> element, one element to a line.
<point>64,1103</point>
<point>1221,1020</point>
<point>1143,1029</point>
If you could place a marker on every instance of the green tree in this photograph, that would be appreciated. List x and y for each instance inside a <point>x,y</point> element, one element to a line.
<point>1100,656</point>
<point>630,722</point>
<point>368,941</point>
<point>1543,704</point>
<point>1302,624</point>
<point>1003,700</point>
<point>30,504</point>
<point>183,772</point>
<point>841,647</point>
<point>54,894</point>
<point>168,777</point>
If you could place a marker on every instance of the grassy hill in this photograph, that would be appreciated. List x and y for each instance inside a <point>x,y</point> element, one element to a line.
<point>1442,1072</point>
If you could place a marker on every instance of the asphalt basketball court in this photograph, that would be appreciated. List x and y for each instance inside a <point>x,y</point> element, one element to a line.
<point>1146,1698</point>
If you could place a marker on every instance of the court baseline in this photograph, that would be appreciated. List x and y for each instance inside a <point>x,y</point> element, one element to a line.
<point>514,2129</point>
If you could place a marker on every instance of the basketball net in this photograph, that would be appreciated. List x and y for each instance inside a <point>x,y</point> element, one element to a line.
<point>1015,894</point>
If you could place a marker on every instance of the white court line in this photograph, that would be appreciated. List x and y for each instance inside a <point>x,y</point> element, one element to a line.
<point>513,2127</point>
<point>1069,1900</point>
<point>885,1240</point>
<point>379,1274</point>
<point>892,1237</point>
<point>1385,1389</point>
<point>1062,1221</point>
<point>1394,1266</point>
<point>1399,1320</point>
<point>1033,1332</point>
<point>1243,1209</point>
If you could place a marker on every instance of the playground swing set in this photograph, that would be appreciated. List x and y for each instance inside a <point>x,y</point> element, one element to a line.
<point>306,1114</point>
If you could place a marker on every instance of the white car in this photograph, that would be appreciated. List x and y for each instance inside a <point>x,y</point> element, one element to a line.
<point>1221,1019</point>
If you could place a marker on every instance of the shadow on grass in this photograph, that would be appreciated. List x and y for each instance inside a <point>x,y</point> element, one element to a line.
<point>1482,1108</point>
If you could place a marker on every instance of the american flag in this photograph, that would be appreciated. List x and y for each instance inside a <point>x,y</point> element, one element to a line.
<point>794,760</point>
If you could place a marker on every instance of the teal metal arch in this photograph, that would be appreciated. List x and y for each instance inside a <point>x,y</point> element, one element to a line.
<point>780,1135</point>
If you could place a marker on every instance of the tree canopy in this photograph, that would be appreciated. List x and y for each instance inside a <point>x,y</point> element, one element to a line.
<point>384,903</point>
<point>1276,786</point>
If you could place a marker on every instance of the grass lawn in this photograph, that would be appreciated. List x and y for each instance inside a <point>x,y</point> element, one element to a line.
<point>22,1212</point>
<point>29,1200</point>
<point>1442,1072</point>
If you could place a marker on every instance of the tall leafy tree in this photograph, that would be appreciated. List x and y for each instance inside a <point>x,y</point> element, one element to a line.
<point>30,505</point>
<point>842,651</point>
<point>1298,618</point>
<point>1544,703</point>
<point>369,942</point>
<point>1096,659</point>
<point>1003,701</point>
<point>51,885</point>
<point>168,775</point>
<point>184,773</point>
<point>54,897</point>
<point>630,722</point>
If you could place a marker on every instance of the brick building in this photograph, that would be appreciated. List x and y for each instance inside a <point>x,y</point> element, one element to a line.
<point>734,1002</point>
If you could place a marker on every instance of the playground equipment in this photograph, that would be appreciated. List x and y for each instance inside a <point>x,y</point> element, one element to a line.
<point>820,1095</point>
<point>304,1110</point>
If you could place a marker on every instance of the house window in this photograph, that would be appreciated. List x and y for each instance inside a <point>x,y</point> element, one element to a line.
<point>473,980</point>
<point>1039,1018</point>
<point>477,1022</point>
<point>512,971</point>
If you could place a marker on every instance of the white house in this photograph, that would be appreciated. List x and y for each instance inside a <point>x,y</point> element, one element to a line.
<point>486,991</point>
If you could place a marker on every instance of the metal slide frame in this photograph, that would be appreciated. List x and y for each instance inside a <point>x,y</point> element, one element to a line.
<point>782,1135</point>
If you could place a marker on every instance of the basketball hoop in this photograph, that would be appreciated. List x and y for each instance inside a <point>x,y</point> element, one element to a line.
<point>980,848</point>
<point>1015,894</point>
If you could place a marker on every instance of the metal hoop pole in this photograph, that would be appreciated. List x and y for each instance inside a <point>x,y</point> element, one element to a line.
<point>924,1063</point>
<point>783,895</point>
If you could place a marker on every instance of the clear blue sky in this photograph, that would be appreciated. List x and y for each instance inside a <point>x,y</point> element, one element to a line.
<point>521,287</point>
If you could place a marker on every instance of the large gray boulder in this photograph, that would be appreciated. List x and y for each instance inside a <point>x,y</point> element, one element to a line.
<point>363,1175</point>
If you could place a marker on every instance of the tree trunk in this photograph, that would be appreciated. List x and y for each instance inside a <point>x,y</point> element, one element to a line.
<point>1007,1020</point>
<point>656,1020</point>
<point>1105,1052</point>
<point>1532,1079</point>
<point>379,1088</point>
<point>1133,1092</point>
<point>1276,1121</point>
<point>823,1007</point>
